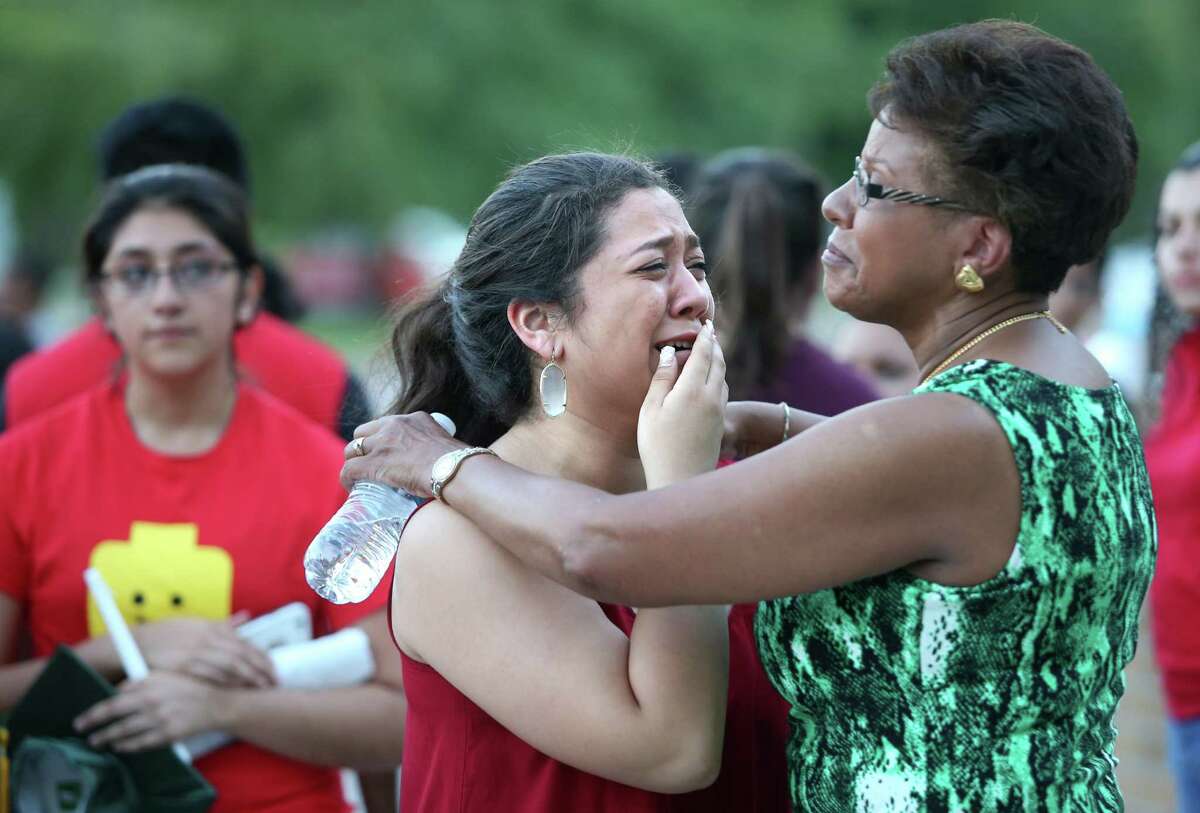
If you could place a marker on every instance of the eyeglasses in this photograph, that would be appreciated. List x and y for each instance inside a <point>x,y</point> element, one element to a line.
<point>865,190</point>
<point>137,277</point>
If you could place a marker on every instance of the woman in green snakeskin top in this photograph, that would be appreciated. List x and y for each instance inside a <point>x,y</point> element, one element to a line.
<point>951,578</point>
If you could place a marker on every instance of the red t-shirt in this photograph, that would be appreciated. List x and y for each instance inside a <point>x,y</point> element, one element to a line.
<point>458,759</point>
<point>1173,461</point>
<point>207,535</point>
<point>288,363</point>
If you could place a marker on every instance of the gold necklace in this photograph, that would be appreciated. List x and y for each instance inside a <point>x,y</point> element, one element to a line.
<point>994,329</point>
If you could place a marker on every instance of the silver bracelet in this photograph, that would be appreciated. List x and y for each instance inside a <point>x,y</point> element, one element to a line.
<point>787,419</point>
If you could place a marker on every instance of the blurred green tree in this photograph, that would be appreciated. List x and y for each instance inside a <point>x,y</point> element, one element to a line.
<point>354,110</point>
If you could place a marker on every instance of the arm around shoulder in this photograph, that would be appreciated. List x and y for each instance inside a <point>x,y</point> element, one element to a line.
<point>911,481</point>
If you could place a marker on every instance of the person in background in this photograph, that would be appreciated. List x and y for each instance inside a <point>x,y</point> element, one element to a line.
<point>13,344</point>
<point>879,354</point>
<point>954,577</point>
<point>195,494</point>
<point>283,359</point>
<point>1076,303</point>
<point>680,168</point>
<point>1173,458</point>
<point>758,214</point>
<point>22,292</point>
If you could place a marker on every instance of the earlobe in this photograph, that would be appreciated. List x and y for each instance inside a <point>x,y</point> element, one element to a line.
<point>103,314</point>
<point>249,296</point>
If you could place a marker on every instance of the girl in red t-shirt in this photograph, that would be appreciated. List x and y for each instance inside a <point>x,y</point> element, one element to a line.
<point>579,279</point>
<point>195,495</point>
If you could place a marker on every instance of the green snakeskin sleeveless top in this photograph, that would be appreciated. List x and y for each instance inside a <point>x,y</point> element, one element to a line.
<point>909,696</point>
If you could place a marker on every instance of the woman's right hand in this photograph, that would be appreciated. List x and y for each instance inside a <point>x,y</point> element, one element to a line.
<point>399,451</point>
<point>208,650</point>
<point>683,416</point>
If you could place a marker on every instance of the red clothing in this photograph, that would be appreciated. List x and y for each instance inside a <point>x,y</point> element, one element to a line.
<point>206,535</point>
<point>458,759</point>
<point>288,363</point>
<point>753,776</point>
<point>1173,460</point>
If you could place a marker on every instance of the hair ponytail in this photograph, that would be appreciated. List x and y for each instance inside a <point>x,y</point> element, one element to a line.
<point>432,378</point>
<point>758,217</point>
<point>752,264</point>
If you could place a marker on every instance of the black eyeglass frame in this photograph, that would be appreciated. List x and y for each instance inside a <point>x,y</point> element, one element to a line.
<point>865,190</point>
<point>175,272</point>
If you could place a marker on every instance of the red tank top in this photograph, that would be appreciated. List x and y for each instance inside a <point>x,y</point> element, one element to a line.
<point>458,759</point>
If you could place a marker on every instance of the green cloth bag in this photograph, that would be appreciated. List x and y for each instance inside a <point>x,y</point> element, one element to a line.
<point>160,781</point>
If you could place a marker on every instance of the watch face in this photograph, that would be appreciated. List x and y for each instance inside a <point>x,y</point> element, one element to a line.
<point>443,466</point>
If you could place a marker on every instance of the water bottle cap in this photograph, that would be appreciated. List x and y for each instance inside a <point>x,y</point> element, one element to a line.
<point>444,422</point>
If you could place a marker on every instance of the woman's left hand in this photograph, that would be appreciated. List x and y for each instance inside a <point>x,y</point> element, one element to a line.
<point>163,708</point>
<point>397,450</point>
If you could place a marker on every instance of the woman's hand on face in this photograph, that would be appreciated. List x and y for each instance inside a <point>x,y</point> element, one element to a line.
<point>683,417</point>
<point>207,650</point>
<point>397,450</point>
<point>163,708</point>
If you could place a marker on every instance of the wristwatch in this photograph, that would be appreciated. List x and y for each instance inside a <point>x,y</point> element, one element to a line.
<point>446,466</point>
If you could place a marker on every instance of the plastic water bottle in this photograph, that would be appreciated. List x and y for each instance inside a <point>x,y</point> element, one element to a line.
<point>349,556</point>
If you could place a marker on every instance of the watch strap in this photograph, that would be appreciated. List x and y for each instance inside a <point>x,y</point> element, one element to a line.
<point>456,458</point>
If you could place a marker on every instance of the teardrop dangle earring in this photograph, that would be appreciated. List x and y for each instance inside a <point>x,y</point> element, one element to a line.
<point>553,387</point>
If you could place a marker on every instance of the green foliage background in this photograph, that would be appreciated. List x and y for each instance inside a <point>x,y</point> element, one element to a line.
<point>355,109</point>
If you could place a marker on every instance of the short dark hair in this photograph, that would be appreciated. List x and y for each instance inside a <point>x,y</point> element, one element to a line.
<point>455,350</point>
<point>1024,127</point>
<point>208,196</point>
<point>758,215</point>
<point>172,130</point>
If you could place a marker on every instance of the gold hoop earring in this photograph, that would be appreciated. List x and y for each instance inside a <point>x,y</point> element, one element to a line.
<point>553,388</point>
<point>968,279</point>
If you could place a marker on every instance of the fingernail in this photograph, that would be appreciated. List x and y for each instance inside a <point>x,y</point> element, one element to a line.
<point>667,357</point>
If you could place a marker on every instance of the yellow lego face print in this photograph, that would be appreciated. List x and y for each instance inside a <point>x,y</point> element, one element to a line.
<point>162,571</point>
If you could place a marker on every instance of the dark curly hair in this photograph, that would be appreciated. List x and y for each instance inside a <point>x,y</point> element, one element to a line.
<point>1025,127</point>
